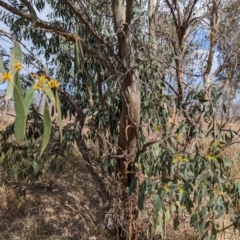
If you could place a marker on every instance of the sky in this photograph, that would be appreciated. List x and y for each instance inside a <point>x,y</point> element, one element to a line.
<point>43,15</point>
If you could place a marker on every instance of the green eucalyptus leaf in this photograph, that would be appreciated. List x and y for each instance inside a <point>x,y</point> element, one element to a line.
<point>47,128</point>
<point>9,92</point>
<point>1,70</point>
<point>59,113</point>
<point>141,193</point>
<point>158,201</point>
<point>16,56</point>
<point>34,19</point>
<point>17,23</point>
<point>20,121</point>
<point>29,97</point>
<point>194,220</point>
<point>48,91</point>
<point>133,186</point>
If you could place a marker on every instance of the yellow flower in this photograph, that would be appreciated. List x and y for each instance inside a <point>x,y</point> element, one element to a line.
<point>220,193</point>
<point>157,128</point>
<point>211,158</point>
<point>42,79</point>
<point>181,190</point>
<point>166,188</point>
<point>18,66</point>
<point>180,136</point>
<point>184,159</point>
<point>38,86</point>
<point>177,159</point>
<point>53,83</point>
<point>216,143</point>
<point>7,76</point>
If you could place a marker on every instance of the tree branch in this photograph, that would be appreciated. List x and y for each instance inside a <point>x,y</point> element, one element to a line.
<point>87,25</point>
<point>91,30</point>
<point>61,31</point>
<point>220,69</point>
<point>29,7</point>
<point>189,13</point>
<point>212,41</point>
<point>128,11</point>
<point>172,12</point>
<point>80,120</point>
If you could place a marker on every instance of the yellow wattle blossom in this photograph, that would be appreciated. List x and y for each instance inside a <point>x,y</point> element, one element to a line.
<point>177,159</point>
<point>18,66</point>
<point>53,83</point>
<point>180,136</point>
<point>42,79</point>
<point>211,158</point>
<point>220,193</point>
<point>7,76</point>
<point>185,160</point>
<point>38,86</point>
<point>216,144</point>
<point>157,128</point>
<point>166,188</point>
<point>181,190</point>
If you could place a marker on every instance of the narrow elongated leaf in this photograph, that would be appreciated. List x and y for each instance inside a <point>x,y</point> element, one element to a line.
<point>158,202</point>
<point>133,186</point>
<point>34,19</point>
<point>1,70</point>
<point>141,193</point>
<point>47,128</point>
<point>9,93</point>
<point>202,227</point>
<point>224,108</point>
<point>20,121</point>
<point>29,98</point>
<point>166,215</point>
<point>59,113</point>
<point>238,186</point>
<point>194,220</point>
<point>16,56</point>
<point>35,167</point>
<point>49,93</point>
<point>17,23</point>
<point>79,57</point>
<point>18,85</point>
<point>176,223</point>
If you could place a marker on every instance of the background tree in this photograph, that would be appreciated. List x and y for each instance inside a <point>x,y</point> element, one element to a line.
<point>128,67</point>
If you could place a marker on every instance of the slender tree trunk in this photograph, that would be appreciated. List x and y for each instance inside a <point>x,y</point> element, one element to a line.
<point>130,115</point>
<point>231,96</point>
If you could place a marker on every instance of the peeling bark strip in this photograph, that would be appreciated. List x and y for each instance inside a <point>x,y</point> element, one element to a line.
<point>130,91</point>
<point>130,115</point>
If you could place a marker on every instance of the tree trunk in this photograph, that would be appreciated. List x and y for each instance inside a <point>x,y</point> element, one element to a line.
<point>130,115</point>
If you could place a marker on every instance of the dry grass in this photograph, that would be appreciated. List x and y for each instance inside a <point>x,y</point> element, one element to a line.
<point>67,206</point>
<point>62,206</point>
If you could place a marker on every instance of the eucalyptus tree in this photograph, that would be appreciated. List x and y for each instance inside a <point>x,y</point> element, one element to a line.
<point>128,67</point>
<point>228,46</point>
